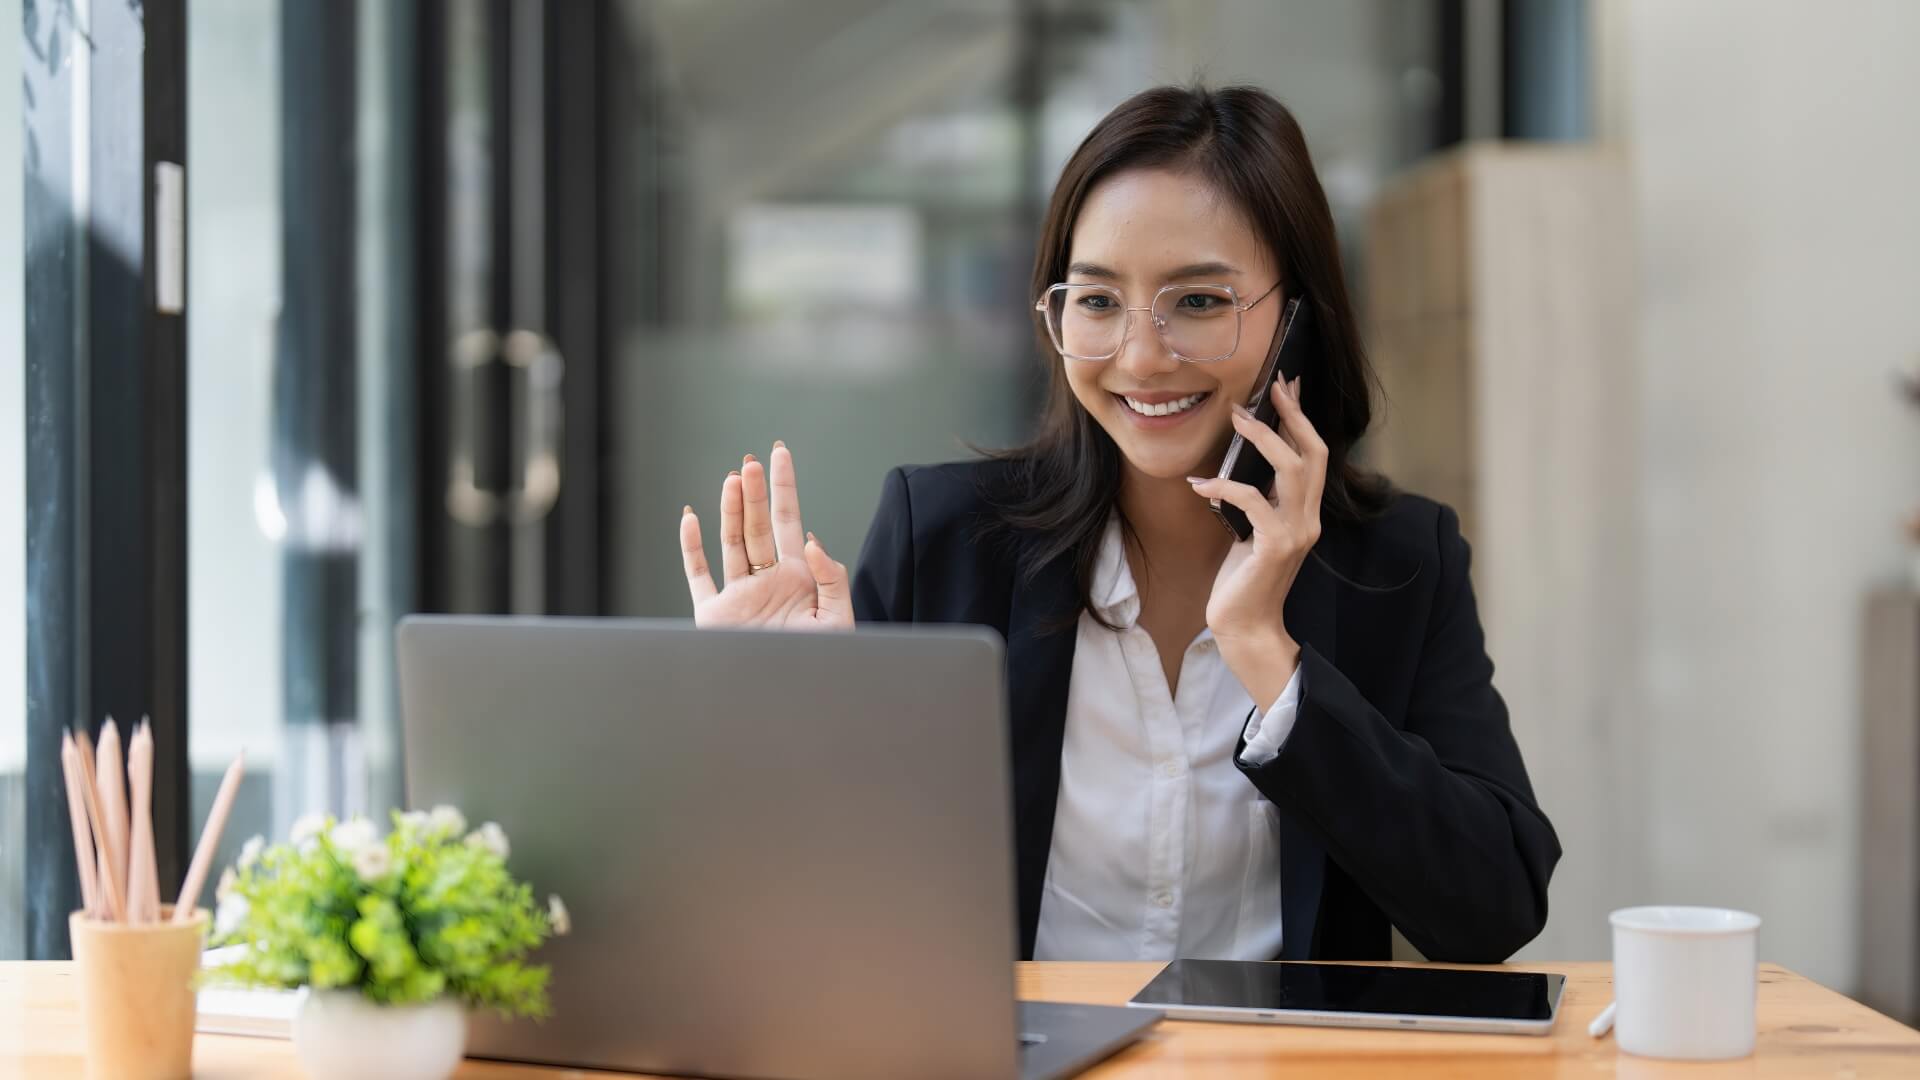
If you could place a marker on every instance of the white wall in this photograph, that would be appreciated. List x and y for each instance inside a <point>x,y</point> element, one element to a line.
<point>1776,163</point>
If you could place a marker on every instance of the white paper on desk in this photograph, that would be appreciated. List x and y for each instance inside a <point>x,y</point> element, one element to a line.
<point>237,1010</point>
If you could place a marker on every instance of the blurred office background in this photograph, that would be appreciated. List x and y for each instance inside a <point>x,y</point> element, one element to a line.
<point>477,293</point>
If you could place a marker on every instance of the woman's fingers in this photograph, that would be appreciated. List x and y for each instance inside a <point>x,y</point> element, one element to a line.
<point>693,554</point>
<point>829,583</point>
<point>760,550</point>
<point>1284,459</point>
<point>788,537</point>
<point>1248,498</point>
<point>1280,392</point>
<point>1313,450</point>
<point>733,547</point>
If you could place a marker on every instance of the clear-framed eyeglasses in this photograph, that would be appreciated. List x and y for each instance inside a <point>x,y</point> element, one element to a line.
<point>1199,324</point>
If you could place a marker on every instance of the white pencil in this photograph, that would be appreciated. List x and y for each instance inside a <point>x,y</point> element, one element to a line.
<point>1602,1023</point>
<point>209,840</point>
<point>83,858</point>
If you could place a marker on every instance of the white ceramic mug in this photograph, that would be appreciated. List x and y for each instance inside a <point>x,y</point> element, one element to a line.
<point>1685,981</point>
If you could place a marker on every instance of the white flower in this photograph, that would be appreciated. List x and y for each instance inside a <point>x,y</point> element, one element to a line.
<point>227,878</point>
<point>492,837</point>
<point>250,851</point>
<point>558,918</point>
<point>354,836</point>
<point>448,819</point>
<point>230,916</point>
<point>413,819</point>
<point>306,827</point>
<point>372,862</point>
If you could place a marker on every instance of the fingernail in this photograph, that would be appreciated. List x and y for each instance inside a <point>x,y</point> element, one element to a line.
<point>748,459</point>
<point>1242,410</point>
<point>685,510</point>
<point>1196,479</point>
<point>733,472</point>
<point>811,539</point>
<point>779,445</point>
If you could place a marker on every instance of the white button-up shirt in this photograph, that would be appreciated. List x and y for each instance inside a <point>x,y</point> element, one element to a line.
<point>1161,847</point>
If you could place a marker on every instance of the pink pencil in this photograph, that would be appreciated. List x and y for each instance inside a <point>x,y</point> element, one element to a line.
<point>209,840</point>
<point>83,858</point>
<point>111,882</point>
<point>84,743</point>
<point>143,890</point>
<point>111,777</point>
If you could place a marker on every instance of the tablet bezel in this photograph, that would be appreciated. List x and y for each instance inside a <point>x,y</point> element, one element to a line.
<point>1496,1025</point>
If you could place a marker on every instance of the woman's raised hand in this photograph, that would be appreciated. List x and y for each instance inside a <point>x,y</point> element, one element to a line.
<point>777,576</point>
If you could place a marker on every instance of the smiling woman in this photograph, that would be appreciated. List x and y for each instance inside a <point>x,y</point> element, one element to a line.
<point>1284,746</point>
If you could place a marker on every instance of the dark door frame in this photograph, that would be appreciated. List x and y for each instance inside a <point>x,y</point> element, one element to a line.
<point>106,435</point>
<point>543,103</point>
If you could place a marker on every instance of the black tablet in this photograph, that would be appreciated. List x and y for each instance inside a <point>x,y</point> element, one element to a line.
<point>1356,995</point>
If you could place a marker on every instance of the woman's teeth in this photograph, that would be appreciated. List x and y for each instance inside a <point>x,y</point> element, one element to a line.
<point>1165,408</point>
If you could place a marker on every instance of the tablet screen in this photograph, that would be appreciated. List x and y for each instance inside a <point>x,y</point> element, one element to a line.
<point>1343,988</point>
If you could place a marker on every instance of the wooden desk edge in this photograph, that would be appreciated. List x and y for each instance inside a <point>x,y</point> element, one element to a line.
<point>1805,1030</point>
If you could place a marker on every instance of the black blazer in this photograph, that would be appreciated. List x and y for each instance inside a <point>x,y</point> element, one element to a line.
<point>1402,796</point>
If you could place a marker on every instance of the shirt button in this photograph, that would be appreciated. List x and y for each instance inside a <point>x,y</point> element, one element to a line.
<point>1170,770</point>
<point>1162,899</point>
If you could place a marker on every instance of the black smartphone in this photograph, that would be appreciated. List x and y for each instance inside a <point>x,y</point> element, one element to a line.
<point>1244,463</point>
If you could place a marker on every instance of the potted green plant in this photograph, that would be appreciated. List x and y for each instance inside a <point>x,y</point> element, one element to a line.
<point>392,939</point>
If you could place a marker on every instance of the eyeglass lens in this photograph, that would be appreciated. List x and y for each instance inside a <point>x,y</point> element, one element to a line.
<point>1198,322</point>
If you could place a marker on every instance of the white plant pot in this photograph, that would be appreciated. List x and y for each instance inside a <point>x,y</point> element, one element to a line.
<point>340,1035</point>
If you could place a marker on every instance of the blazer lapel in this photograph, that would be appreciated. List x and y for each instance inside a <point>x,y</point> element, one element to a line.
<point>1310,613</point>
<point>1039,663</point>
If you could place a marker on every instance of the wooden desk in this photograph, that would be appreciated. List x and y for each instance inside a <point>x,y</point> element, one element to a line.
<point>1806,1030</point>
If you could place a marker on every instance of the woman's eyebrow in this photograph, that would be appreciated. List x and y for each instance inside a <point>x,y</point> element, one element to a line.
<point>1192,270</point>
<point>1202,269</point>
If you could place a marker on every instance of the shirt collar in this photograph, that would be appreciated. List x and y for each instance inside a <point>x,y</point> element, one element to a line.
<point>1113,595</point>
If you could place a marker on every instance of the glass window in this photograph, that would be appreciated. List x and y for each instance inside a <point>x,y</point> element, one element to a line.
<point>818,234</point>
<point>297,340</point>
<point>236,518</point>
<point>822,228</point>
<point>13,506</point>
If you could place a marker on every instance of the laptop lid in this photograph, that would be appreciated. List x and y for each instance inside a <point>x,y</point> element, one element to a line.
<point>785,855</point>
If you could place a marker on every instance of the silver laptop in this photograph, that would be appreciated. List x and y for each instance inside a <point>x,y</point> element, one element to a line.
<point>785,855</point>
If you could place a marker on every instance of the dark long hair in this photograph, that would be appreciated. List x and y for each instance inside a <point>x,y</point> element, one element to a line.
<point>1066,482</point>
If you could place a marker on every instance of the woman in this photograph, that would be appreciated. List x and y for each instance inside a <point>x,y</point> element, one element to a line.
<point>1275,747</point>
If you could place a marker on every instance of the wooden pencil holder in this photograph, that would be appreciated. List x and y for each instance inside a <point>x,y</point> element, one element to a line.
<point>137,994</point>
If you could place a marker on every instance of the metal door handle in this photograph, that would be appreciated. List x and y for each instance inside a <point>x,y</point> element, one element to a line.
<point>537,412</point>
<point>535,354</point>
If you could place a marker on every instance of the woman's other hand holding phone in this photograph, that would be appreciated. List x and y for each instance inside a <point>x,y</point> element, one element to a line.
<point>775,574</point>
